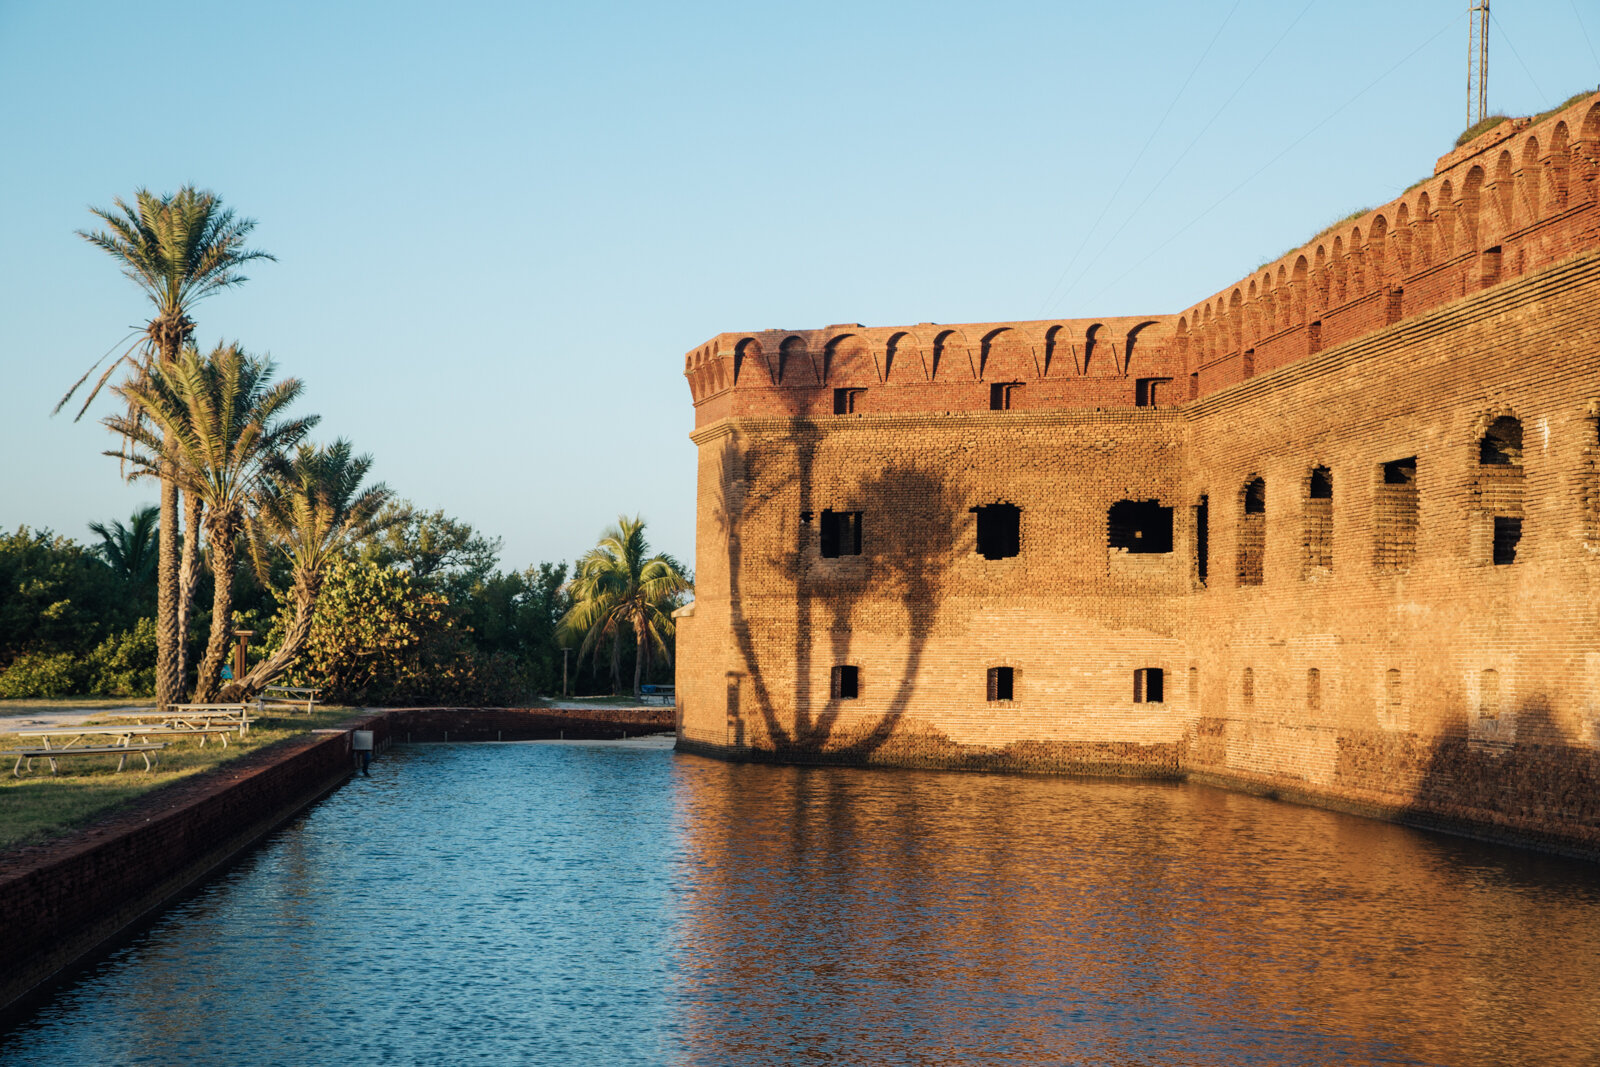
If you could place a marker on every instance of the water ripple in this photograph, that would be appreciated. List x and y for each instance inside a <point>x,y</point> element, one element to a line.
<point>617,904</point>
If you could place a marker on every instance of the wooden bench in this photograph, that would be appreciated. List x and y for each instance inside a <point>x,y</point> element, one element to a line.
<point>122,752</point>
<point>293,697</point>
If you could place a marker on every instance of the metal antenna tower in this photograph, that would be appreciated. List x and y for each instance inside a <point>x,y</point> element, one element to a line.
<point>1477,62</point>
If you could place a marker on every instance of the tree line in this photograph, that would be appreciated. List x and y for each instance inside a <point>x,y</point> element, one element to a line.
<point>261,528</point>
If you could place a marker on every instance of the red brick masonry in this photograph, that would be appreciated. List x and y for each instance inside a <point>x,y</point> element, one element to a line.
<point>1331,533</point>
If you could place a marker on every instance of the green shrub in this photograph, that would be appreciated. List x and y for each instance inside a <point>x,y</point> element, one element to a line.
<point>42,674</point>
<point>124,664</point>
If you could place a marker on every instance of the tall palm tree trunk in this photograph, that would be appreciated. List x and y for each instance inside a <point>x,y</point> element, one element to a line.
<point>169,670</point>
<point>188,576</point>
<point>616,663</point>
<point>224,556</point>
<point>640,652</point>
<point>169,335</point>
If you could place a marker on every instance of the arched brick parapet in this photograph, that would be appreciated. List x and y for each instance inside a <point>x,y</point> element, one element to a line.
<point>1529,179</point>
<point>847,360</point>
<point>903,359</point>
<point>952,360</point>
<point>795,366</point>
<point>1005,355</point>
<point>750,363</point>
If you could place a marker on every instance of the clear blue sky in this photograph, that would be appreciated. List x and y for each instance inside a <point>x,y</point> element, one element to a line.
<point>499,226</point>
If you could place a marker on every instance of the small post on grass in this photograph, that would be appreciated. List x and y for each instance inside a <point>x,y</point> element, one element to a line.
<point>239,650</point>
<point>564,652</point>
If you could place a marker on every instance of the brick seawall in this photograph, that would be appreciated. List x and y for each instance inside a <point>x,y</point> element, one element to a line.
<point>66,901</point>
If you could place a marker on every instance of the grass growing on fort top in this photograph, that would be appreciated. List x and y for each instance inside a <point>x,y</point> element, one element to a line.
<point>38,808</point>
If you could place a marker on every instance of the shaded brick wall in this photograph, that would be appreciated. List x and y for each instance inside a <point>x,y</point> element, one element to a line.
<point>62,901</point>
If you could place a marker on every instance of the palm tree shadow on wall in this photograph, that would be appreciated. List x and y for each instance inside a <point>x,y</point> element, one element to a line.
<point>1527,777</point>
<point>909,530</point>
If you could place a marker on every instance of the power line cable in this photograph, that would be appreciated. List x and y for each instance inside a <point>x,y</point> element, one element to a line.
<point>1507,38</point>
<point>1585,31</point>
<point>1182,155</point>
<point>1132,166</point>
<point>1265,166</point>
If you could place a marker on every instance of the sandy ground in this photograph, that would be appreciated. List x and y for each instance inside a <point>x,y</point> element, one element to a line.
<point>64,717</point>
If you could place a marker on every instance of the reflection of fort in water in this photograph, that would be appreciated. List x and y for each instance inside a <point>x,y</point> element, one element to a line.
<point>835,915</point>
<point>1330,533</point>
<point>617,904</point>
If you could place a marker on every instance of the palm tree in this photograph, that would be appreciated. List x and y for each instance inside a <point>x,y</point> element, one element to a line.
<point>311,507</point>
<point>211,424</point>
<point>179,249</point>
<point>130,550</point>
<point>618,584</point>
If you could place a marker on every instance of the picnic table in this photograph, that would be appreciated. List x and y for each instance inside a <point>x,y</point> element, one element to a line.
<point>193,716</point>
<point>121,749</point>
<point>667,694</point>
<point>126,732</point>
<point>288,696</point>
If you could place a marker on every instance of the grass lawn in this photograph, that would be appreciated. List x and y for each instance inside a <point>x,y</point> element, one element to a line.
<point>39,807</point>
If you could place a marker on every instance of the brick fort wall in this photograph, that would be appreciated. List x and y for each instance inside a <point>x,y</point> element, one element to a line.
<point>1332,533</point>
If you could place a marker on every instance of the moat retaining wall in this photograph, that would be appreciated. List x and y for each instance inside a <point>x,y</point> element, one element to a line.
<point>66,901</point>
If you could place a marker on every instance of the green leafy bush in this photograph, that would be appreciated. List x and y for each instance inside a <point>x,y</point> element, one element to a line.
<point>379,636</point>
<point>42,674</point>
<point>124,664</point>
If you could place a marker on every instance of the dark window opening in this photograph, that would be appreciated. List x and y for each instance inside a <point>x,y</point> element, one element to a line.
<point>1251,548</point>
<point>806,516</point>
<point>1255,497</point>
<point>999,530</point>
<point>1507,535</point>
<point>845,401</point>
<point>1004,395</point>
<point>1314,336</point>
<point>1248,363</point>
<point>1152,392</point>
<point>846,683</point>
<point>1202,538</point>
<point>1313,690</point>
<point>1395,516</point>
<point>1139,526</point>
<point>1247,688</point>
<point>1502,443</point>
<point>1001,683</point>
<point>1396,303</point>
<point>1321,483</point>
<point>1400,472</point>
<point>841,533</point>
<point>1194,386</point>
<point>1148,683</point>
<point>1318,523</point>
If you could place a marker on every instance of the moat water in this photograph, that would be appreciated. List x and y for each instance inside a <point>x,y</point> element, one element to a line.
<point>619,904</point>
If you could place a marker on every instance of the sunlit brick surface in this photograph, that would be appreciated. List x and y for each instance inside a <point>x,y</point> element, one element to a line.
<point>1384,351</point>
